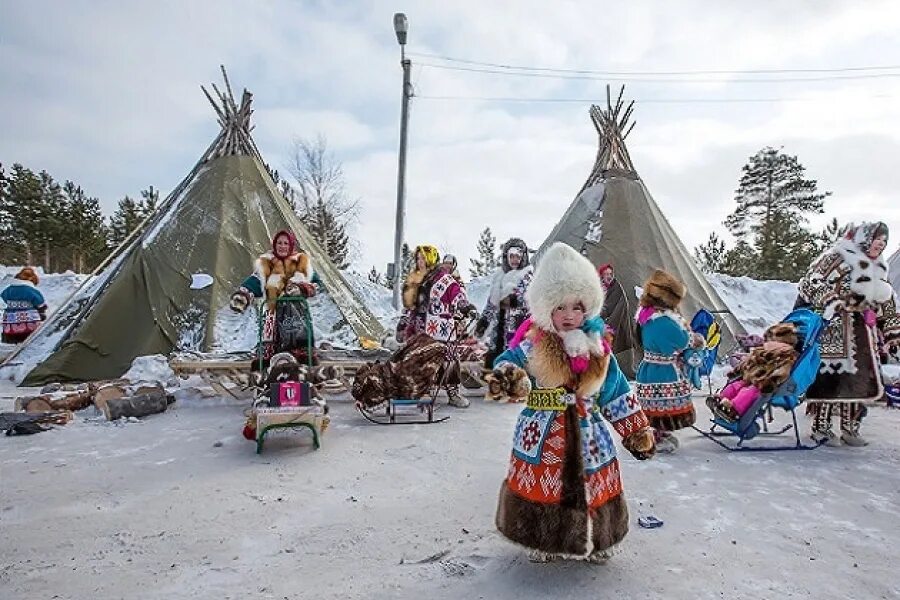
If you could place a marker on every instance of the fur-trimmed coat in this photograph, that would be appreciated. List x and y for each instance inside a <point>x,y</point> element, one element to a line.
<point>662,388</point>
<point>562,493</point>
<point>841,285</point>
<point>505,309</point>
<point>411,372</point>
<point>440,299</point>
<point>271,275</point>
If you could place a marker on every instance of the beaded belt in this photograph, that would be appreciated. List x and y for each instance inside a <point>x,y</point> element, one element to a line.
<point>550,399</point>
<point>659,359</point>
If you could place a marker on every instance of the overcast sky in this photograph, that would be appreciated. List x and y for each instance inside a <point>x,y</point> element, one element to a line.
<point>107,94</point>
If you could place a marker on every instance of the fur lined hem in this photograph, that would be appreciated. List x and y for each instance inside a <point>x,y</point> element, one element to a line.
<point>561,531</point>
<point>673,422</point>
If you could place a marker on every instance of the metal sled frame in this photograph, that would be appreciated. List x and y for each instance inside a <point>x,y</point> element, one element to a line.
<point>723,432</point>
<point>261,435</point>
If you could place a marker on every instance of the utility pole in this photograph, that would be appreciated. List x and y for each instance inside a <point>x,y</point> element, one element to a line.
<point>401,26</point>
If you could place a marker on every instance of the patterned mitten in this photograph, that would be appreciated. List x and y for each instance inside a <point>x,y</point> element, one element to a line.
<point>641,444</point>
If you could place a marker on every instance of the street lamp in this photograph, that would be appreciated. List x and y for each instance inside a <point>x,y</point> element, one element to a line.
<point>401,26</point>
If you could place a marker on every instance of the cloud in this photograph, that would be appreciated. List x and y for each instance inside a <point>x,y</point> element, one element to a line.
<point>106,94</point>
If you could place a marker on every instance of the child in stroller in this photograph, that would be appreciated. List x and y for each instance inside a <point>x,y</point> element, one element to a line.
<point>760,372</point>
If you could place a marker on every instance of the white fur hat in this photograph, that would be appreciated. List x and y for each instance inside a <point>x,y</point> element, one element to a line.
<point>563,275</point>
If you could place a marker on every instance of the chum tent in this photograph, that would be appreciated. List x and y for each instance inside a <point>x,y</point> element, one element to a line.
<point>614,219</point>
<point>215,223</point>
<point>894,271</point>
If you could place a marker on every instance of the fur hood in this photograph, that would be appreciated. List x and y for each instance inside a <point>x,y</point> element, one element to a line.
<point>868,276</point>
<point>513,243</point>
<point>563,275</point>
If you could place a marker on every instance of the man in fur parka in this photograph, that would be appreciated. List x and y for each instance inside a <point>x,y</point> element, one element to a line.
<point>562,496</point>
<point>848,285</point>
<point>283,271</point>
<point>505,309</point>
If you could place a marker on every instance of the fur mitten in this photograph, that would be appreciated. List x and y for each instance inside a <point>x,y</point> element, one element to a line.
<point>508,383</point>
<point>240,300</point>
<point>641,444</point>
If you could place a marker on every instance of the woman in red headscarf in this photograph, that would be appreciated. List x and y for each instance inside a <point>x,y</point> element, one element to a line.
<point>284,271</point>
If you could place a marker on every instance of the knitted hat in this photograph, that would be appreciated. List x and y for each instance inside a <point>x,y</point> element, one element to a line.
<point>662,290</point>
<point>28,274</point>
<point>563,275</point>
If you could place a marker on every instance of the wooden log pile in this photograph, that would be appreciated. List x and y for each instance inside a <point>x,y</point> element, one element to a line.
<point>115,399</point>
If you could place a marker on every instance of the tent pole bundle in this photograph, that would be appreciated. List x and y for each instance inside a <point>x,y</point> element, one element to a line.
<point>216,221</point>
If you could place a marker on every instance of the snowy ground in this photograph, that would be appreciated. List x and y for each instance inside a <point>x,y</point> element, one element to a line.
<point>179,506</point>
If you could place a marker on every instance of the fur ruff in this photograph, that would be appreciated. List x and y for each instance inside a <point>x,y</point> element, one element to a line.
<point>505,283</point>
<point>549,365</point>
<point>411,287</point>
<point>276,273</point>
<point>563,275</point>
<point>868,276</point>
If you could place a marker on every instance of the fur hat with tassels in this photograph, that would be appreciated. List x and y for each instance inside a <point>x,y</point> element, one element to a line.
<point>563,275</point>
<point>662,290</point>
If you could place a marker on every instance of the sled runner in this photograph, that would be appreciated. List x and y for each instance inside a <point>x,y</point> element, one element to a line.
<point>403,390</point>
<point>788,396</point>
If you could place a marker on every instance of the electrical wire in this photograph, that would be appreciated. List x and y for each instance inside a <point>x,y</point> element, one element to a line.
<point>493,71</point>
<point>863,68</point>
<point>638,101</point>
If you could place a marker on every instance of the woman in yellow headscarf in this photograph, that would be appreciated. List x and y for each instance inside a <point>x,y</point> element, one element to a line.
<point>426,258</point>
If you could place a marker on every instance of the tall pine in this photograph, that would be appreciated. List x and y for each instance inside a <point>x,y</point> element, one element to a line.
<point>486,262</point>
<point>770,222</point>
<point>83,242</point>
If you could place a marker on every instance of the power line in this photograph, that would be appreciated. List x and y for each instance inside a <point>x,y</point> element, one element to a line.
<point>656,73</point>
<point>657,80</point>
<point>638,101</point>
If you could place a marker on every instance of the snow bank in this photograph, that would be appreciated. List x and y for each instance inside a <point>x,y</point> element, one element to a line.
<point>56,287</point>
<point>756,304</point>
<point>150,369</point>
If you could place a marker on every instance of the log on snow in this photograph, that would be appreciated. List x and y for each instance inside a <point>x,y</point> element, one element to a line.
<point>138,406</point>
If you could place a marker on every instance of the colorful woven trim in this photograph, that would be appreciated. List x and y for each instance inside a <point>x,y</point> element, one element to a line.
<point>659,359</point>
<point>550,399</point>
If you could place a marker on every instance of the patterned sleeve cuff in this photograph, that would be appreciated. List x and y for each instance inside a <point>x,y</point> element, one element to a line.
<point>625,414</point>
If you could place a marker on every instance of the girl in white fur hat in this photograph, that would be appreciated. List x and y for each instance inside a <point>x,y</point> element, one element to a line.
<point>562,495</point>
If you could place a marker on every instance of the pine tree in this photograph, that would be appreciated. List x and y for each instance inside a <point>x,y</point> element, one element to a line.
<point>406,265</point>
<point>83,242</point>
<point>330,234</point>
<point>149,201</point>
<point>773,199</point>
<point>9,243</point>
<point>487,260</point>
<point>127,218</point>
<point>710,257</point>
<point>375,276</point>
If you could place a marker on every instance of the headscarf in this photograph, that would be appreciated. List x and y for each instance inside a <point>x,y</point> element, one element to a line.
<point>292,240</point>
<point>431,254</point>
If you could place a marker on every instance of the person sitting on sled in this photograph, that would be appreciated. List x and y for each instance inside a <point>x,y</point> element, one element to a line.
<point>284,271</point>
<point>761,372</point>
<point>562,496</point>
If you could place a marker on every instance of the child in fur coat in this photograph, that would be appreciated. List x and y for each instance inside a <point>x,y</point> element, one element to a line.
<point>562,496</point>
<point>662,389</point>
<point>761,372</point>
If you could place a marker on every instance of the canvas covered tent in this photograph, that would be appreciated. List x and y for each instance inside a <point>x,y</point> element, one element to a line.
<point>614,219</point>
<point>214,223</point>
<point>894,271</point>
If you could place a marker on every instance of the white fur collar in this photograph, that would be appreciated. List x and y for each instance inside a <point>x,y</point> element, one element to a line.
<point>23,282</point>
<point>505,284</point>
<point>868,276</point>
<point>580,343</point>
